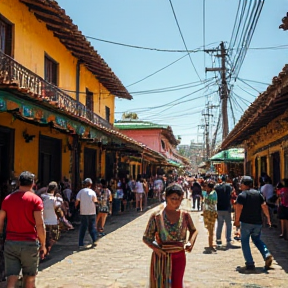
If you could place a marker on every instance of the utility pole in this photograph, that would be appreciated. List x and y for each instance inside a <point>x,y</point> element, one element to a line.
<point>223,89</point>
<point>207,114</point>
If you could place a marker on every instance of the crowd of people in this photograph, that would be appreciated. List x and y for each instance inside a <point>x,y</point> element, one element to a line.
<point>45,212</point>
<point>170,231</point>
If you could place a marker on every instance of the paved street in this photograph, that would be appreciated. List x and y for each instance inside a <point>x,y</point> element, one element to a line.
<point>122,260</point>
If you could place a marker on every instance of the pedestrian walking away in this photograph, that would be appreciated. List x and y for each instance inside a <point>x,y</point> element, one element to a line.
<point>166,235</point>
<point>22,248</point>
<point>87,199</point>
<point>210,212</point>
<point>50,217</point>
<point>196,195</point>
<point>224,191</point>
<point>249,205</point>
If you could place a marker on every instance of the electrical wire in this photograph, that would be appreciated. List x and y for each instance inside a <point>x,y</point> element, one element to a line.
<point>175,17</point>
<point>150,75</point>
<point>249,85</point>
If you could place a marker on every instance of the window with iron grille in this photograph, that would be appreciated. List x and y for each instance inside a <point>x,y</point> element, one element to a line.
<point>89,100</point>
<point>51,70</point>
<point>6,37</point>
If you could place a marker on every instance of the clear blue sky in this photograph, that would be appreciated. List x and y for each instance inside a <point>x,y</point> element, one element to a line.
<point>151,23</point>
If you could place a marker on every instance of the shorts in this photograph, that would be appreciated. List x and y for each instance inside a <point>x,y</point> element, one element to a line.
<point>21,254</point>
<point>139,196</point>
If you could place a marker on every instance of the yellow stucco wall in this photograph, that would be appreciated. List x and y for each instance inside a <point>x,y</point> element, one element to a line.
<point>26,154</point>
<point>32,41</point>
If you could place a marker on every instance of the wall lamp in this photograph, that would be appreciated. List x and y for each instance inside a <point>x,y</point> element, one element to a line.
<point>28,138</point>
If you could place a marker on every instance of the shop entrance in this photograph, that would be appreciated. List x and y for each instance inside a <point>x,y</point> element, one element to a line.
<point>50,163</point>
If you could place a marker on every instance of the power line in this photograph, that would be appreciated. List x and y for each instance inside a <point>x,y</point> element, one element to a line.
<point>284,46</point>
<point>183,39</point>
<point>157,71</point>
<point>170,89</point>
<point>249,86</point>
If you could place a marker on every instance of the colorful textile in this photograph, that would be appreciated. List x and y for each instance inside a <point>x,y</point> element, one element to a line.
<point>52,235</point>
<point>171,237</point>
<point>210,201</point>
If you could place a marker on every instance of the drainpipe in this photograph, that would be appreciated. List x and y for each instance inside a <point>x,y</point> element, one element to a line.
<point>78,80</point>
<point>76,151</point>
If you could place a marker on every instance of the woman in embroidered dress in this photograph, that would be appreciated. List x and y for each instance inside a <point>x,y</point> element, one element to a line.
<point>166,234</point>
<point>210,212</point>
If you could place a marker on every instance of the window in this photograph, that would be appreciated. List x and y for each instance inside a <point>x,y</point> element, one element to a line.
<point>89,100</point>
<point>163,144</point>
<point>107,113</point>
<point>51,70</point>
<point>5,36</point>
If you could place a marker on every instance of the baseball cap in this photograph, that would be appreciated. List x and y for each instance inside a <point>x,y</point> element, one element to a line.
<point>87,181</point>
<point>26,178</point>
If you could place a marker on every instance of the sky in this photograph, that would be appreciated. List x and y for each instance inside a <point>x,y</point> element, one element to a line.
<point>169,87</point>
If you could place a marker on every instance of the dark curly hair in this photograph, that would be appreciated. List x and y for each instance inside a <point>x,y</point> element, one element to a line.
<point>174,188</point>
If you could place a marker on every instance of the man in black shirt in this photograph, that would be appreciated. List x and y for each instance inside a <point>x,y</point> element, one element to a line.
<point>248,207</point>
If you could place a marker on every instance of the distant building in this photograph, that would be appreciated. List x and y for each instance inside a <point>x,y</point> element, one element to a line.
<point>157,137</point>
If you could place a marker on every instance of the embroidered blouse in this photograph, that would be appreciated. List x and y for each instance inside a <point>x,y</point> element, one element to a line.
<point>168,232</point>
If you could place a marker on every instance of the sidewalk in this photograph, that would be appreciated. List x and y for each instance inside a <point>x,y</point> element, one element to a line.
<point>122,260</point>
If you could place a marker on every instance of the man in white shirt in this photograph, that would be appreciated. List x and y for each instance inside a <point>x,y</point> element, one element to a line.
<point>87,198</point>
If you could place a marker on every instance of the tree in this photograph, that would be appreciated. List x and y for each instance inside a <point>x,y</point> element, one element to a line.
<point>129,115</point>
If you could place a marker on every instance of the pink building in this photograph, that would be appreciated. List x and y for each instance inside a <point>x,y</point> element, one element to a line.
<point>158,137</point>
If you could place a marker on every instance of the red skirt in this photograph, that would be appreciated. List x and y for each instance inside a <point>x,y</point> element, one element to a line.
<point>178,268</point>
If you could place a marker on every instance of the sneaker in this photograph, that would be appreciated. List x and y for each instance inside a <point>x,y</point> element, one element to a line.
<point>94,245</point>
<point>250,269</point>
<point>82,248</point>
<point>268,261</point>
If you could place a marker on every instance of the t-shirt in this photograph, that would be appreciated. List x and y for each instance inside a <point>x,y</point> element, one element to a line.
<point>159,185</point>
<point>49,202</point>
<point>251,201</point>
<point>19,207</point>
<point>267,190</point>
<point>67,193</point>
<point>283,193</point>
<point>224,197</point>
<point>87,204</point>
<point>139,187</point>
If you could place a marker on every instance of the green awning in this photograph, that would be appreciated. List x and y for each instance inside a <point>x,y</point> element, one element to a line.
<point>230,155</point>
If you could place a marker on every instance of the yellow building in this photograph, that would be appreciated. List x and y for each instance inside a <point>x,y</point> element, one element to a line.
<point>57,99</point>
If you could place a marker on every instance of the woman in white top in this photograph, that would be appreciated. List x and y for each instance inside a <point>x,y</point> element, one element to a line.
<point>49,215</point>
<point>139,193</point>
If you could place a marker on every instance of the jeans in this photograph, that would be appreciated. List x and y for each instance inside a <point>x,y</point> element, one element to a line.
<point>223,216</point>
<point>87,221</point>
<point>196,198</point>
<point>253,230</point>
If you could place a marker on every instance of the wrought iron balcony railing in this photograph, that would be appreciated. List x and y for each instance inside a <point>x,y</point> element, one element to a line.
<point>13,73</point>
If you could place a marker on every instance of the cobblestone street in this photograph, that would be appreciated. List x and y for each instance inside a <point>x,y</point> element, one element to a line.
<point>122,260</point>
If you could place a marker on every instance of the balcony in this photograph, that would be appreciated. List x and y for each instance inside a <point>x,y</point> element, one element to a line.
<point>14,74</point>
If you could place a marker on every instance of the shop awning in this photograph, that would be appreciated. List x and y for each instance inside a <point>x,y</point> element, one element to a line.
<point>230,155</point>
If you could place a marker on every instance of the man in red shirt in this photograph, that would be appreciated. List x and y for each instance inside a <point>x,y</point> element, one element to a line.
<point>25,229</point>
